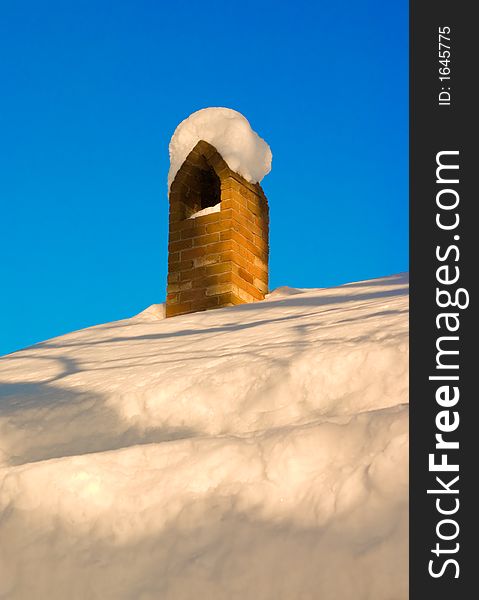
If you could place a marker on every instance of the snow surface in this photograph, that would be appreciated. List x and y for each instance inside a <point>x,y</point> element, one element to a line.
<point>206,211</point>
<point>258,451</point>
<point>230,133</point>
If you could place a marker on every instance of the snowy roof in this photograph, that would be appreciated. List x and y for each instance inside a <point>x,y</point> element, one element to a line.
<point>200,456</point>
<point>230,133</point>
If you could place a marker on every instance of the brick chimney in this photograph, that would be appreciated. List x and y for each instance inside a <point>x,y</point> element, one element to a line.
<point>218,236</point>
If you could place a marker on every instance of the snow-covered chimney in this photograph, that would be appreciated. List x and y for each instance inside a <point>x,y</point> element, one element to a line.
<point>219,218</point>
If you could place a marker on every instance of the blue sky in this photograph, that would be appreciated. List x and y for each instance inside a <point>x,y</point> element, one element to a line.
<point>91,94</point>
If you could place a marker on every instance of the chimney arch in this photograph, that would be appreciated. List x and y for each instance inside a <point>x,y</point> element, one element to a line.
<point>218,236</point>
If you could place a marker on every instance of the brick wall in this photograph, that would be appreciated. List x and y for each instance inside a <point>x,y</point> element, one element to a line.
<point>218,259</point>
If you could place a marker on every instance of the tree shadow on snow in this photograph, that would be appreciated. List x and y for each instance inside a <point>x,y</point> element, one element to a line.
<point>84,421</point>
<point>212,549</point>
<point>287,303</point>
<point>76,423</point>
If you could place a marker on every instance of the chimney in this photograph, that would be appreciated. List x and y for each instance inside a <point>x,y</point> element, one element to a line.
<point>218,236</point>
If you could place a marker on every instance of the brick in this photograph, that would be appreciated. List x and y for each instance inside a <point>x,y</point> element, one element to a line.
<point>260,243</point>
<point>191,273</point>
<point>259,262</point>
<point>189,170</point>
<point>208,280</point>
<point>254,208</point>
<point>233,234</point>
<point>242,201</point>
<point>174,236</point>
<point>230,203</point>
<point>179,287</point>
<point>173,277</point>
<point>203,240</point>
<point>250,225</point>
<point>218,247</point>
<point>243,242</point>
<point>210,302</point>
<point>219,288</point>
<point>181,224</point>
<point>178,185</point>
<point>173,257</point>
<point>227,193</point>
<point>259,273</point>
<point>181,266</point>
<point>172,298</point>
<point>226,256</point>
<point>207,150</point>
<point>246,231</point>
<point>220,226</point>
<point>226,214</point>
<point>201,283</point>
<point>236,299</point>
<point>193,231</point>
<point>247,214</point>
<point>178,309</point>
<point>181,245</point>
<point>192,295</point>
<point>193,253</point>
<point>222,277</point>
<point>245,192</point>
<point>240,249</point>
<point>225,299</point>
<point>205,219</point>
<point>261,285</point>
<point>237,200</point>
<point>261,221</point>
<point>207,260</point>
<point>224,267</point>
<point>230,183</point>
<point>206,270</point>
<point>247,287</point>
<point>214,158</point>
<point>245,275</point>
<point>241,261</point>
<point>222,170</point>
<point>239,183</point>
<point>243,295</point>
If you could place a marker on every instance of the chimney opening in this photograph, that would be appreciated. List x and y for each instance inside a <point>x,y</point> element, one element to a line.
<point>210,188</point>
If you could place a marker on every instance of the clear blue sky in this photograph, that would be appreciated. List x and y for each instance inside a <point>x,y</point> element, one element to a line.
<point>91,94</point>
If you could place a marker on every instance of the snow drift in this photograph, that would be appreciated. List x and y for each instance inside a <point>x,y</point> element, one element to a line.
<point>230,133</point>
<point>258,451</point>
